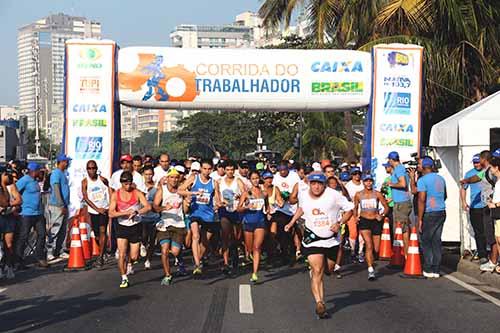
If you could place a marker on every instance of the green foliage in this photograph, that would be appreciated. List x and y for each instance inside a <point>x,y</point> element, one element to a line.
<point>46,148</point>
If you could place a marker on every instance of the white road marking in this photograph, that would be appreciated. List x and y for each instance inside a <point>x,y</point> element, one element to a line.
<point>2,290</point>
<point>474,290</point>
<point>246,305</point>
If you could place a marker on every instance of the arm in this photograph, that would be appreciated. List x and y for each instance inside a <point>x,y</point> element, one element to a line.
<point>422,197</point>
<point>15,199</point>
<point>184,188</point>
<point>382,200</point>
<point>158,199</point>
<point>146,207</point>
<point>401,184</point>
<point>241,204</point>
<point>463,198</point>
<point>356,205</point>
<point>298,214</point>
<point>471,180</point>
<point>294,195</point>
<point>279,198</point>
<point>218,201</point>
<point>413,183</point>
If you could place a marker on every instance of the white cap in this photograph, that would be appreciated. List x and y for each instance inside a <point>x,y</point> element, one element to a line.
<point>196,166</point>
<point>291,161</point>
<point>180,168</point>
<point>316,167</point>
<point>215,160</point>
<point>343,165</point>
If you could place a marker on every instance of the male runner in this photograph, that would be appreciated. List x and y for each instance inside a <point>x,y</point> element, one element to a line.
<point>161,170</point>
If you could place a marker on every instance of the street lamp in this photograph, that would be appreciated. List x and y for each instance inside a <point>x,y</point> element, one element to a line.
<point>35,51</point>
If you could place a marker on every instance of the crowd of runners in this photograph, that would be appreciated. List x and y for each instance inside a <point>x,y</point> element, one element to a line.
<point>199,213</point>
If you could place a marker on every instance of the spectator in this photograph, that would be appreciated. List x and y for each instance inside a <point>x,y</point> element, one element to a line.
<point>58,208</point>
<point>494,203</point>
<point>431,189</point>
<point>137,163</point>
<point>31,216</point>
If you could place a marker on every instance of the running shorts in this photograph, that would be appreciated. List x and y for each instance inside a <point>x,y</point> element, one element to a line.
<point>7,224</point>
<point>401,213</point>
<point>98,220</point>
<point>251,227</point>
<point>282,219</point>
<point>174,236</point>
<point>370,224</point>
<point>233,217</point>
<point>329,252</point>
<point>210,227</point>
<point>131,233</point>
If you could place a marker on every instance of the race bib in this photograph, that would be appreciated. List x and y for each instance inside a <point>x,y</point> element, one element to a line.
<point>255,204</point>
<point>203,198</point>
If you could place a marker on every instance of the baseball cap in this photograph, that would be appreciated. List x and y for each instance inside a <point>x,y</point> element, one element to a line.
<point>267,174</point>
<point>63,157</point>
<point>180,169</point>
<point>243,164</point>
<point>355,170</point>
<point>32,166</point>
<point>259,166</point>
<point>344,165</point>
<point>196,166</point>
<point>221,164</point>
<point>316,167</point>
<point>386,165</point>
<point>393,155</point>
<point>126,157</point>
<point>367,177</point>
<point>172,172</point>
<point>427,162</point>
<point>316,177</point>
<point>345,176</point>
<point>475,158</point>
<point>282,167</point>
<point>496,153</point>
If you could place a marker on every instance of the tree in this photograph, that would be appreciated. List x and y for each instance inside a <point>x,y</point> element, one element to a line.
<point>46,148</point>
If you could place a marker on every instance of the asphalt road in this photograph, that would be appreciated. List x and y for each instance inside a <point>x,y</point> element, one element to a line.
<point>90,301</point>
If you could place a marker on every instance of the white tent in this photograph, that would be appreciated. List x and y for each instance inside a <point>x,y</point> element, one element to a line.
<point>455,140</point>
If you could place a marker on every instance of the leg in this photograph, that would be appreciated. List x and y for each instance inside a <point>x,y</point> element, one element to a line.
<point>352,224</point>
<point>61,235</point>
<point>426,244</point>
<point>102,240</point>
<point>122,245</point>
<point>195,230</point>
<point>258,239</point>
<point>150,246</point>
<point>55,225</point>
<point>134,251</point>
<point>406,241</point>
<point>367,237</point>
<point>248,235</point>
<point>376,243</point>
<point>436,243</point>
<point>165,249</point>
<point>317,262</point>
<point>227,238</point>
<point>476,220</point>
<point>24,231</point>
<point>8,242</point>
<point>40,239</point>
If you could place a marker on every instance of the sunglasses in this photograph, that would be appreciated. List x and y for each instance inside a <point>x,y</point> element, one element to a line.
<point>92,168</point>
<point>126,183</point>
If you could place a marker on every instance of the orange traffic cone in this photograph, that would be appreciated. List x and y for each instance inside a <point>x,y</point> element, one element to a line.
<point>85,238</point>
<point>76,260</point>
<point>397,259</point>
<point>95,247</point>
<point>413,266</point>
<point>385,252</point>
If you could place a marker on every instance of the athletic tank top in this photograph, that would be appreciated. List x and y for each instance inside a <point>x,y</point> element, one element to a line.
<point>122,206</point>
<point>151,216</point>
<point>255,211</point>
<point>271,200</point>
<point>97,192</point>
<point>228,193</point>
<point>174,216</point>
<point>202,205</point>
<point>368,203</point>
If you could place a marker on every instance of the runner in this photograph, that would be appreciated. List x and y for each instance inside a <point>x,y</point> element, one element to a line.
<point>149,219</point>
<point>252,205</point>
<point>366,210</point>
<point>336,185</point>
<point>220,171</point>
<point>137,163</point>
<point>8,221</point>
<point>161,170</point>
<point>203,226</point>
<point>320,208</point>
<point>274,202</point>
<point>229,188</point>
<point>96,193</point>
<point>171,227</point>
<point>354,186</point>
<point>125,207</point>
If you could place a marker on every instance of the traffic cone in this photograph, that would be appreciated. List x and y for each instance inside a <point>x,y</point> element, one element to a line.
<point>76,261</point>
<point>413,266</point>
<point>385,252</point>
<point>397,259</point>
<point>84,238</point>
<point>95,247</point>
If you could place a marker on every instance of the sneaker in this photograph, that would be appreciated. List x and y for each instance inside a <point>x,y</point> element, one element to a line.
<point>428,275</point>
<point>181,270</point>
<point>483,261</point>
<point>487,267</point>
<point>124,283</point>
<point>130,269</point>
<point>361,258</point>
<point>64,255</point>
<point>371,276</point>
<point>226,270</point>
<point>197,271</point>
<point>254,278</point>
<point>43,264</point>
<point>167,281</point>
<point>99,262</point>
<point>436,275</point>
<point>144,252</point>
<point>147,265</point>
<point>51,257</point>
<point>10,273</point>
<point>321,310</point>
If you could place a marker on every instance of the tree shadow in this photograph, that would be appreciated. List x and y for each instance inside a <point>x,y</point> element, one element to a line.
<point>354,297</point>
<point>39,312</point>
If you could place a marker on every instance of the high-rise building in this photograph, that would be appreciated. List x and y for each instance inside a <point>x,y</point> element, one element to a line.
<point>9,112</point>
<point>40,53</point>
<point>135,121</point>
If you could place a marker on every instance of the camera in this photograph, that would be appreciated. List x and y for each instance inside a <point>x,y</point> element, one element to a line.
<point>411,163</point>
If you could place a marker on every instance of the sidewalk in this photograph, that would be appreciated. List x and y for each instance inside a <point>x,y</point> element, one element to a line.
<point>452,261</point>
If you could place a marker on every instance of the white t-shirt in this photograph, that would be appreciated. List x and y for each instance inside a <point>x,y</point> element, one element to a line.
<point>287,184</point>
<point>303,186</point>
<point>159,173</point>
<point>215,175</point>
<point>352,188</point>
<point>496,192</point>
<point>175,215</point>
<point>136,178</point>
<point>321,213</point>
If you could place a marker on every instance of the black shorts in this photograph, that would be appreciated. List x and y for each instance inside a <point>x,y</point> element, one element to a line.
<point>98,220</point>
<point>329,252</point>
<point>489,229</point>
<point>210,227</point>
<point>132,234</point>
<point>370,224</point>
<point>282,220</point>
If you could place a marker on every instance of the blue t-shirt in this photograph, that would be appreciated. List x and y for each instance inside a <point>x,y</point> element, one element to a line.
<point>475,190</point>
<point>399,194</point>
<point>58,177</point>
<point>31,195</point>
<point>435,188</point>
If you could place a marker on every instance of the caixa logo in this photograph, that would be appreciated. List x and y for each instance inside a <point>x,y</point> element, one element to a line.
<point>89,108</point>
<point>397,128</point>
<point>337,66</point>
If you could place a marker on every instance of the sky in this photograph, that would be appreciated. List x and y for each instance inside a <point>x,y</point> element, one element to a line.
<point>128,22</point>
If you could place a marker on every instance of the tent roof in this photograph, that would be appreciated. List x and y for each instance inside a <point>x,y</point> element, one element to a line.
<point>446,132</point>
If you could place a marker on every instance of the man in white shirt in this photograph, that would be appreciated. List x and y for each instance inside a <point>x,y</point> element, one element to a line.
<point>161,170</point>
<point>354,186</point>
<point>126,165</point>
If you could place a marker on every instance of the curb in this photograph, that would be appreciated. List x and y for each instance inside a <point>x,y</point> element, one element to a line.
<point>456,263</point>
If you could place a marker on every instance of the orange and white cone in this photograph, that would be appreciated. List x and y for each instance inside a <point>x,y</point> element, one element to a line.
<point>95,247</point>
<point>385,252</point>
<point>85,238</point>
<point>76,260</point>
<point>397,259</point>
<point>413,266</point>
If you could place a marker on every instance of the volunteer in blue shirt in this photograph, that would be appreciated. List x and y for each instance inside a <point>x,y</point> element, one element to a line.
<point>475,208</point>
<point>58,208</point>
<point>31,215</point>
<point>400,185</point>
<point>431,189</point>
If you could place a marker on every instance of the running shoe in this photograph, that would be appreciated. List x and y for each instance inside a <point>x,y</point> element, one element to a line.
<point>147,265</point>
<point>298,255</point>
<point>130,269</point>
<point>10,273</point>
<point>99,263</point>
<point>436,275</point>
<point>336,271</point>
<point>64,255</point>
<point>428,275</point>
<point>371,276</point>
<point>167,281</point>
<point>361,258</point>
<point>226,270</point>
<point>254,278</point>
<point>124,283</point>
<point>321,310</point>
<point>197,271</point>
<point>181,270</point>
<point>487,267</point>
<point>483,261</point>
<point>144,252</point>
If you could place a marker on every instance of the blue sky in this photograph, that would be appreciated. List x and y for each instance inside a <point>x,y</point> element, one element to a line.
<point>129,22</point>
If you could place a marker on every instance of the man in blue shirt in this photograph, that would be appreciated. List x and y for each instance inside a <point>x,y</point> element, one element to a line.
<point>475,209</point>
<point>400,184</point>
<point>31,215</point>
<point>58,208</point>
<point>431,189</point>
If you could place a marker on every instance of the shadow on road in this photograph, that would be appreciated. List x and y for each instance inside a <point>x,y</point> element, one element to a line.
<point>355,297</point>
<point>39,312</point>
